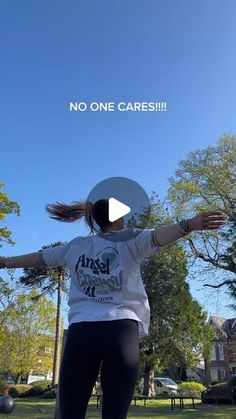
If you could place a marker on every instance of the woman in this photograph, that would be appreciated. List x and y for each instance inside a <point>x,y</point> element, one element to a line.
<point>109,309</point>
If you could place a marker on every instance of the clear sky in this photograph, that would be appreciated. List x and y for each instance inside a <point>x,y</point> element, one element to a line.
<point>181,52</point>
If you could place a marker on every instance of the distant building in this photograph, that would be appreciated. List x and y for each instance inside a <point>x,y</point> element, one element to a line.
<point>197,373</point>
<point>222,363</point>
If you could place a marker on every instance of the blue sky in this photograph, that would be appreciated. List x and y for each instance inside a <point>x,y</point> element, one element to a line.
<point>53,53</point>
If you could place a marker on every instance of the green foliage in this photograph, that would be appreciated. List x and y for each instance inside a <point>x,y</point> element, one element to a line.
<point>191,388</point>
<point>139,386</point>
<point>232,382</point>
<point>19,390</point>
<point>50,394</point>
<point>206,180</point>
<point>39,389</point>
<point>45,383</point>
<point>49,280</point>
<point>26,329</point>
<point>179,333</point>
<point>4,387</point>
<point>219,384</point>
<point>6,207</point>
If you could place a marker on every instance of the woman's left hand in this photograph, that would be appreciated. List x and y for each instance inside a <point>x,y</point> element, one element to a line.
<point>209,220</point>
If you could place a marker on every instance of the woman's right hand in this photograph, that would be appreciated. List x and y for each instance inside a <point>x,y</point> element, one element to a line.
<point>2,262</point>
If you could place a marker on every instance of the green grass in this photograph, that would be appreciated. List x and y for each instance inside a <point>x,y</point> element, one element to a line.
<point>29,409</point>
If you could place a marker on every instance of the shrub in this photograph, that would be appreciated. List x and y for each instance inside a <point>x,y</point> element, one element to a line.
<point>19,390</point>
<point>215,382</point>
<point>139,386</point>
<point>232,381</point>
<point>39,382</point>
<point>219,384</point>
<point>4,388</point>
<point>38,388</point>
<point>191,388</point>
<point>50,394</point>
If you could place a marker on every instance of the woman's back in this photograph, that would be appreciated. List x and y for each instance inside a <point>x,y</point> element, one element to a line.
<point>106,283</point>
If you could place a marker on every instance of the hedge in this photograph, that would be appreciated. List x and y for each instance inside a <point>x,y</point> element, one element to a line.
<point>19,390</point>
<point>38,388</point>
<point>50,394</point>
<point>191,388</point>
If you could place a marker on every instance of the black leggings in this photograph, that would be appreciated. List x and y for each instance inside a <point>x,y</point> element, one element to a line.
<point>113,345</point>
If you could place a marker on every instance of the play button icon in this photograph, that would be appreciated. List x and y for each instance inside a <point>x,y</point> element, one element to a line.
<point>117,209</point>
<point>127,200</point>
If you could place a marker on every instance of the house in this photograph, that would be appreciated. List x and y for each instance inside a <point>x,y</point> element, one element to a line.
<point>197,373</point>
<point>222,363</point>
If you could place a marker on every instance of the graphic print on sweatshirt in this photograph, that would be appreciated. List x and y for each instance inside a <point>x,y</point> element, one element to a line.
<point>100,277</point>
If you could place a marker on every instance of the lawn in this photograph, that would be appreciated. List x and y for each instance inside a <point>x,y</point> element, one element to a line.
<point>34,408</point>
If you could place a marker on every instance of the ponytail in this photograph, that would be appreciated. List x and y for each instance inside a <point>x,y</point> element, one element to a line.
<point>97,212</point>
<point>68,213</point>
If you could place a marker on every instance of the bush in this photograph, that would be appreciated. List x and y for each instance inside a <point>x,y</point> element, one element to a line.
<point>139,386</point>
<point>219,384</point>
<point>4,388</point>
<point>38,388</point>
<point>39,382</point>
<point>191,388</point>
<point>19,390</point>
<point>215,382</point>
<point>50,394</point>
<point>232,381</point>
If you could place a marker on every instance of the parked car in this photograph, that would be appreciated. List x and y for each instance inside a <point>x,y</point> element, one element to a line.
<point>165,386</point>
<point>221,393</point>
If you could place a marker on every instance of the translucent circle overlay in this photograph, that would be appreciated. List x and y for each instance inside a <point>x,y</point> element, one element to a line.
<point>129,193</point>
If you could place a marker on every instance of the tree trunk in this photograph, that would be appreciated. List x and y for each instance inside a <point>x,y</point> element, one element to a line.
<point>57,347</point>
<point>148,386</point>
<point>18,379</point>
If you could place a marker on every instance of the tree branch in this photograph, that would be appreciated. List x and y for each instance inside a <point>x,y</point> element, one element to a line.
<point>227,282</point>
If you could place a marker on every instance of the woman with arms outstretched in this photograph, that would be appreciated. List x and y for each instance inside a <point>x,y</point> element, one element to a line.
<point>108,306</point>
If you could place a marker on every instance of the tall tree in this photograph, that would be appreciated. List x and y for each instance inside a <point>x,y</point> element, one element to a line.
<point>26,331</point>
<point>6,207</point>
<point>179,334</point>
<point>50,280</point>
<point>206,180</point>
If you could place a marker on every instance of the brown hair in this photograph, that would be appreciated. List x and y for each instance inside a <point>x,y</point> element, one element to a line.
<point>93,213</point>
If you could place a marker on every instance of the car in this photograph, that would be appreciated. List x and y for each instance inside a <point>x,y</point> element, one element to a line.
<point>165,386</point>
<point>224,392</point>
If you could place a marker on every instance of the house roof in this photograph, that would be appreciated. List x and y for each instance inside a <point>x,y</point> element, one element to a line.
<point>227,326</point>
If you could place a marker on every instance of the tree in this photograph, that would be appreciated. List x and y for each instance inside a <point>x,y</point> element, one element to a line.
<point>179,334</point>
<point>26,330</point>
<point>206,180</point>
<point>49,280</point>
<point>6,207</point>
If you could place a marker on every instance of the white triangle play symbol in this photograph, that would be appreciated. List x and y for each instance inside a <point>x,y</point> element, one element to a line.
<point>117,209</point>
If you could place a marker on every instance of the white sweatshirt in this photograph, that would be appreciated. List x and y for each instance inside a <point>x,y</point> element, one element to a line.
<point>106,282</point>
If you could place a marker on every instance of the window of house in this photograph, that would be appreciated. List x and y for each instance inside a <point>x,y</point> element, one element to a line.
<point>213,352</point>
<point>222,374</point>
<point>221,352</point>
<point>214,374</point>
